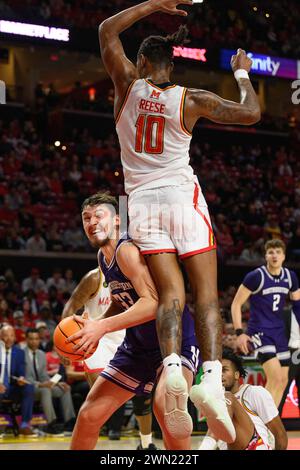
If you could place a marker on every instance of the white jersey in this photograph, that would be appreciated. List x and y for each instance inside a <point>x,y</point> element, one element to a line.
<point>153,138</point>
<point>110,342</point>
<point>100,300</point>
<point>260,406</point>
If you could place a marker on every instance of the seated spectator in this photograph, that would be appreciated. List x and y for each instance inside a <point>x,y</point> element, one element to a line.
<point>44,389</point>
<point>44,335</point>
<point>70,284</point>
<point>36,243</point>
<point>13,385</point>
<point>56,280</point>
<point>55,304</point>
<point>21,325</point>
<point>46,317</point>
<point>253,252</point>
<point>34,282</point>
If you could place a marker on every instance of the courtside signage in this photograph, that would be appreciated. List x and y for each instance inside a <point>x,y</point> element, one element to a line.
<point>34,30</point>
<point>265,65</point>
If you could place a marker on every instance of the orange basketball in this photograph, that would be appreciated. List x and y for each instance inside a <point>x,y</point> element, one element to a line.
<point>67,327</point>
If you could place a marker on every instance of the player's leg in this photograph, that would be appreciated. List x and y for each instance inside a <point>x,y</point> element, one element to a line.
<point>277,378</point>
<point>170,442</point>
<point>209,396</point>
<point>102,401</point>
<point>170,285</point>
<point>143,413</point>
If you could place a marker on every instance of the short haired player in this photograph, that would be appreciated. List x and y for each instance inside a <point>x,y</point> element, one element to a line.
<point>167,211</point>
<point>137,364</point>
<point>93,294</point>
<point>256,401</point>
<point>267,289</point>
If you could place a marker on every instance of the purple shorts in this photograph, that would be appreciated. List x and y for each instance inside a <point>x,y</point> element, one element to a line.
<point>137,369</point>
<point>271,343</point>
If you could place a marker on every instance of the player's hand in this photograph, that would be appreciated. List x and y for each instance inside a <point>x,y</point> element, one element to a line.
<point>170,6</point>
<point>88,336</point>
<point>241,61</point>
<point>242,343</point>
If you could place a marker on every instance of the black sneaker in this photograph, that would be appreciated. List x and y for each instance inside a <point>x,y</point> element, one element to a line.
<point>114,435</point>
<point>54,428</point>
<point>150,447</point>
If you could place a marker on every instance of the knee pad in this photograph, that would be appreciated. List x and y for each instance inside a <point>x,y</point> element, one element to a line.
<point>142,405</point>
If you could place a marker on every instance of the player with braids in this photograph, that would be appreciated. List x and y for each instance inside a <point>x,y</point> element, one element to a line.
<point>167,211</point>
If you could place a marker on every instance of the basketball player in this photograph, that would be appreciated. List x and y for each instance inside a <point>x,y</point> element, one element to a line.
<point>247,437</point>
<point>93,294</point>
<point>267,288</point>
<point>255,400</point>
<point>138,362</point>
<point>167,211</point>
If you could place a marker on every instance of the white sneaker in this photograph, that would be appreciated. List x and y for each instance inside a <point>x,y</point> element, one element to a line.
<point>213,406</point>
<point>177,419</point>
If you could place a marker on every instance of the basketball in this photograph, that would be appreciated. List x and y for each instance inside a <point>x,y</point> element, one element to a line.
<point>67,327</point>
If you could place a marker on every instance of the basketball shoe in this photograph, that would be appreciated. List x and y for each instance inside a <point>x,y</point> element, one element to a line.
<point>177,419</point>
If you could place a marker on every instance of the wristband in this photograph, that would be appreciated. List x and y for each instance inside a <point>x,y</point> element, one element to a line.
<point>241,73</point>
<point>239,331</point>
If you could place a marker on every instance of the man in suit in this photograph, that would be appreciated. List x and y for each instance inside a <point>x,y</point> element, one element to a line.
<point>44,389</point>
<point>13,386</point>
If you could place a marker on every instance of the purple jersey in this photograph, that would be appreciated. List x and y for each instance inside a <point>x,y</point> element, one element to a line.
<point>268,297</point>
<point>142,336</point>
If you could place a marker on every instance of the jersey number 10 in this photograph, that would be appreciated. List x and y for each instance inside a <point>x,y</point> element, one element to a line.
<point>149,134</point>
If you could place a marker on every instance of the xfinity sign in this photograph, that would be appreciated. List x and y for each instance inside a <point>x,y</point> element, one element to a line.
<point>266,65</point>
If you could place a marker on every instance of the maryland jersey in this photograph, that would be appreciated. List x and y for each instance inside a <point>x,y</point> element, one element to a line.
<point>100,300</point>
<point>153,138</point>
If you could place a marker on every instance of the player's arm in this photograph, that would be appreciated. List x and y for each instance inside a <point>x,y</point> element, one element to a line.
<point>82,293</point>
<point>242,295</point>
<point>134,267</point>
<point>265,408</point>
<point>277,429</point>
<point>201,103</point>
<point>119,67</point>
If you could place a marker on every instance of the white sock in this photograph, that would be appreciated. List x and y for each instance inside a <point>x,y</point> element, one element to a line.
<point>172,363</point>
<point>213,372</point>
<point>146,439</point>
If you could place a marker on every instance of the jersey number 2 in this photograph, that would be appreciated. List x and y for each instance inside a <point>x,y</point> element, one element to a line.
<point>149,134</point>
<point>276,300</point>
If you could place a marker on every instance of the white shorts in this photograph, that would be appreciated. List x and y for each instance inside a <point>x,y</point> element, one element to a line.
<point>171,219</point>
<point>105,351</point>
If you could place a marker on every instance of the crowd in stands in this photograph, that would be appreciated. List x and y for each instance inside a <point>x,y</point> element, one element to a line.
<point>253,190</point>
<point>265,27</point>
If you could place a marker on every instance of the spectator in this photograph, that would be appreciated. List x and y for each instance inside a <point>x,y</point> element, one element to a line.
<point>79,386</point>
<point>20,325</point>
<point>44,334</point>
<point>70,284</point>
<point>47,318</point>
<point>57,281</point>
<point>13,385</point>
<point>36,243</point>
<point>34,282</point>
<point>55,304</point>
<point>45,390</point>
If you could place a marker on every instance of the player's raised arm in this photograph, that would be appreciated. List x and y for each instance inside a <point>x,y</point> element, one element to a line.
<point>240,298</point>
<point>82,293</point>
<point>121,70</point>
<point>201,103</point>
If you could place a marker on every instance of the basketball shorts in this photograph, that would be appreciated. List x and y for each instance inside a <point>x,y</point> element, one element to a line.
<point>137,369</point>
<point>105,351</point>
<point>171,219</point>
<point>271,343</point>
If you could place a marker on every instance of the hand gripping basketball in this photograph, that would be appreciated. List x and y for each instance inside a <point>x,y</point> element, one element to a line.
<point>87,338</point>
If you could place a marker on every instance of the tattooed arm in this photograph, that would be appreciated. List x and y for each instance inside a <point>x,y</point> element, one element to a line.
<point>202,103</point>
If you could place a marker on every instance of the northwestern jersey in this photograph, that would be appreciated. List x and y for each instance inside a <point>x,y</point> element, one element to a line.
<point>268,297</point>
<point>100,300</point>
<point>153,138</point>
<point>142,336</point>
